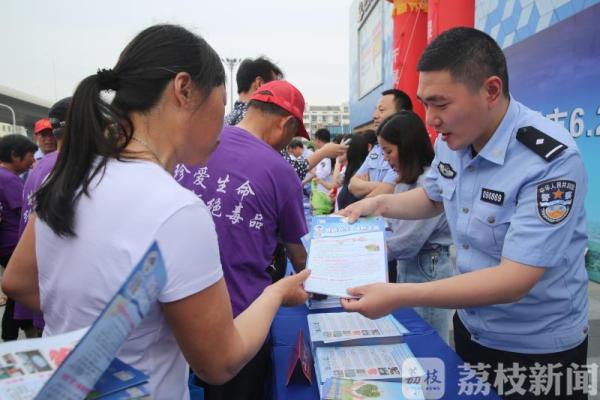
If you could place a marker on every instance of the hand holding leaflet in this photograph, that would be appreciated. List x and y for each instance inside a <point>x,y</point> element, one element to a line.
<point>374,300</point>
<point>345,255</point>
<point>68,366</point>
<point>94,353</point>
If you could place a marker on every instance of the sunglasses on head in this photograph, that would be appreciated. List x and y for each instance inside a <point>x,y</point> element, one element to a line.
<point>57,126</point>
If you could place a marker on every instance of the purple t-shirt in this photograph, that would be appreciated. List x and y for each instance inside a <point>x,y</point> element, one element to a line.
<point>254,196</point>
<point>11,193</point>
<point>34,180</point>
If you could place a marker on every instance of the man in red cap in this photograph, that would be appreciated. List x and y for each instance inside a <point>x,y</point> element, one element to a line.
<point>44,138</point>
<point>255,197</point>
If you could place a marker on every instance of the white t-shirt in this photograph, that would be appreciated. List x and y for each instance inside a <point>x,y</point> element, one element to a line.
<point>323,171</point>
<point>134,204</point>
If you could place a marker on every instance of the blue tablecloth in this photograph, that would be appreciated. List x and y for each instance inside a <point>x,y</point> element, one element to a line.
<point>423,341</point>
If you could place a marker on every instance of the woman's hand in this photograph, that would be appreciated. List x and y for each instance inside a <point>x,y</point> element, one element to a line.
<point>290,289</point>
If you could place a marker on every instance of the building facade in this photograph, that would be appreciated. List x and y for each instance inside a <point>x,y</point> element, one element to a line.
<point>335,118</point>
<point>6,129</point>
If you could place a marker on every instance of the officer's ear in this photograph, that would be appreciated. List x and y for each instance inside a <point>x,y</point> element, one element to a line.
<point>492,88</point>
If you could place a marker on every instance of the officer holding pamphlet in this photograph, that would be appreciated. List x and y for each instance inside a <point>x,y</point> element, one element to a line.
<point>512,185</point>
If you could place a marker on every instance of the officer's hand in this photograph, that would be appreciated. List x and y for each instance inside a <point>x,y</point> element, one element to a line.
<point>359,209</point>
<point>374,301</point>
<point>333,150</point>
<point>364,177</point>
<point>290,289</point>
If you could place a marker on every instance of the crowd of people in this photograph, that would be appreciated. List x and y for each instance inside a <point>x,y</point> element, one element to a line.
<point>225,204</point>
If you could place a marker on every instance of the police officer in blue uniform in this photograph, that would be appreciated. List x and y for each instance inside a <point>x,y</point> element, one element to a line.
<point>512,184</point>
<point>381,177</point>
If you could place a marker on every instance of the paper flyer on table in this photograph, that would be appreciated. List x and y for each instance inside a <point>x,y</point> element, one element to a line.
<point>344,255</point>
<point>70,371</point>
<point>348,389</point>
<point>333,328</point>
<point>380,362</point>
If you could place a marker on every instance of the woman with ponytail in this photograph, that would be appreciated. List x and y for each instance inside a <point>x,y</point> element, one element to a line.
<point>111,194</point>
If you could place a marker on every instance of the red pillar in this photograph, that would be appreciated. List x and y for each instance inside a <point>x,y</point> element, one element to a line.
<point>410,39</point>
<point>446,14</point>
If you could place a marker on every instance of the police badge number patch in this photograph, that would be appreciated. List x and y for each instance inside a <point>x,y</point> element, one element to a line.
<point>374,156</point>
<point>446,170</point>
<point>555,200</point>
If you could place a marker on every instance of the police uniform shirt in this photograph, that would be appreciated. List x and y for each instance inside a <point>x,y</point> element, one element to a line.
<point>522,198</point>
<point>378,169</point>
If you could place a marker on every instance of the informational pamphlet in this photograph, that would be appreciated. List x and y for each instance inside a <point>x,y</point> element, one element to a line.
<point>120,381</point>
<point>327,329</point>
<point>344,255</point>
<point>25,365</point>
<point>67,367</point>
<point>347,389</point>
<point>379,362</point>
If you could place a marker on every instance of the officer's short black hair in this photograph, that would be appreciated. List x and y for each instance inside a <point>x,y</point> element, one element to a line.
<point>401,99</point>
<point>295,143</point>
<point>250,69</point>
<point>15,145</point>
<point>323,135</point>
<point>469,55</point>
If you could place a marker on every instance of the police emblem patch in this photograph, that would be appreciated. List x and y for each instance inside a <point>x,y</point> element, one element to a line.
<point>446,170</point>
<point>374,156</point>
<point>555,200</point>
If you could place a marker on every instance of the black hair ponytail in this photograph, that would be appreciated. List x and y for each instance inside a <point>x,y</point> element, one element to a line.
<point>97,130</point>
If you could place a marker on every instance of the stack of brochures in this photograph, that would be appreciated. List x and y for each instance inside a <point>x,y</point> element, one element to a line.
<point>385,362</point>
<point>343,255</point>
<point>347,389</point>
<point>348,329</point>
<point>350,346</point>
<point>82,363</point>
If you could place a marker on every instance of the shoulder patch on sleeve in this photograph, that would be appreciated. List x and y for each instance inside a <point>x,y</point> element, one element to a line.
<point>555,200</point>
<point>540,143</point>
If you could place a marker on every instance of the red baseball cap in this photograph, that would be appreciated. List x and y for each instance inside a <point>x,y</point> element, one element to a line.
<point>285,95</point>
<point>42,125</point>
